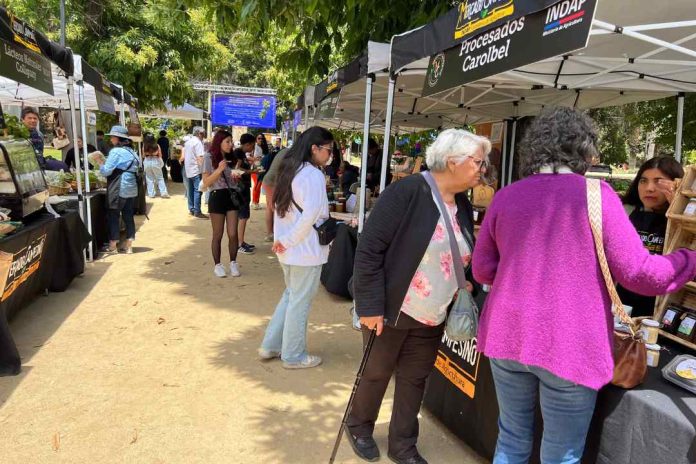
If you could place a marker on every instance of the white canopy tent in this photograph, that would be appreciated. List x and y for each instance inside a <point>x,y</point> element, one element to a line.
<point>633,54</point>
<point>14,93</point>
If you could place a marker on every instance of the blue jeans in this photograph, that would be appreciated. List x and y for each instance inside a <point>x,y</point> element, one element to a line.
<point>153,174</point>
<point>185,181</point>
<point>193,195</point>
<point>566,408</point>
<point>113,219</point>
<point>287,331</point>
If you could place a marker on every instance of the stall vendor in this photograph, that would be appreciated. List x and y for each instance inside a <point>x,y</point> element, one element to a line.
<point>646,203</point>
<point>30,118</point>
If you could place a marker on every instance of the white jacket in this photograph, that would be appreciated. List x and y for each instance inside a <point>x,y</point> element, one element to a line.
<point>296,230</point>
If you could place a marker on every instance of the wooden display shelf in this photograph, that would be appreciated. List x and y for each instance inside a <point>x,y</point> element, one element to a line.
<point>674,338</point>
<point>681,233</point>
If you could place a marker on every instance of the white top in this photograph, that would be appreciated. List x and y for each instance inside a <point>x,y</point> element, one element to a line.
<point>296,230</point>
<point>193,156</point>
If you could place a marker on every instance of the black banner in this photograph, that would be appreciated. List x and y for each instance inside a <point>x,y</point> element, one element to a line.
<point>327,107</point>
<point>22,265</point>
<point>470,18</point>
<point>559,29</point>
<point>105,102</point>
<point>20,34</point>
<point>26,67</point>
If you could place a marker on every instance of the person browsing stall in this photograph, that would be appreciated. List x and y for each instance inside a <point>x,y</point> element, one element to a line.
<point>300,205</point>
<point>153,165</point>
<point>404,283</point>
<point>646,203</point>
<point>120,170</point>
<point>547,324</point>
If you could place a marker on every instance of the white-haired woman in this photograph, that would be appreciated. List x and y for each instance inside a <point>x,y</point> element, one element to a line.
<point>404,283</point>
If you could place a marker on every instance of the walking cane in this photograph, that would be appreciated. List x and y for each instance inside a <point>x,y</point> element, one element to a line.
<point>361,369</point>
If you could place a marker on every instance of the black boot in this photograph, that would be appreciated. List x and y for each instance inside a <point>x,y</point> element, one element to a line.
<point>364,447</point>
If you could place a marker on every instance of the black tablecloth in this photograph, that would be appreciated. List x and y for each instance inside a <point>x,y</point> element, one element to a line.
<point>44,255</point>
<point>97,210</point>
<point>338,271</point>
<point>654,423</point>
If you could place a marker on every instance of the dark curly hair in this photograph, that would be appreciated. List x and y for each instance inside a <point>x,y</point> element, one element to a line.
<point>665,164</point>
<point>558,137</point>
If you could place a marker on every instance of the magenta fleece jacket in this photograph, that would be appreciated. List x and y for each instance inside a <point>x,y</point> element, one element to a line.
<point>549,306</point>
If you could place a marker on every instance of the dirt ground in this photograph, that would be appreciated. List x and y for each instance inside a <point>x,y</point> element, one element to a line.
<point>149,358</point>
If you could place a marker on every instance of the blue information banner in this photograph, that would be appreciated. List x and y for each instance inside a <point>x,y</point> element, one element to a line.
<point>244,110</point>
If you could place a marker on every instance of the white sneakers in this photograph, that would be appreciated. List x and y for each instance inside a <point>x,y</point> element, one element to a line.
<point>308,362</point>
<point>234,269</point>
<point>220,271</point>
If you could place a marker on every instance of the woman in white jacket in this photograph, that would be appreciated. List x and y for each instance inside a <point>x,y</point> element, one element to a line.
<point>300,204</point>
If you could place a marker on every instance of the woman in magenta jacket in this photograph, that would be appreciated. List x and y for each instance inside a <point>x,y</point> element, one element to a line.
<point>547,324</point>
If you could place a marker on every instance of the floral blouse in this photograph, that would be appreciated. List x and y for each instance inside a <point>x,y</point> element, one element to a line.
<point>434,285</point>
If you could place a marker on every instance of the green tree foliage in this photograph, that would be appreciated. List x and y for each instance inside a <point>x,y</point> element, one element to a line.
<point>151,47</point>
<point>661,116</point>
<point>317,31</point>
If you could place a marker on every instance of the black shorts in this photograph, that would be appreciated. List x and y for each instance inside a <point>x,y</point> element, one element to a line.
<point>220,202</point>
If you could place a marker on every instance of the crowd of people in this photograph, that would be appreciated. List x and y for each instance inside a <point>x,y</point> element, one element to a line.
<point>533,252</point>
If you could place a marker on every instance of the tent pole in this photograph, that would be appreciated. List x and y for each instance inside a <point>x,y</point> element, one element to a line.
<point>643,37</point>
<point>306,117</point>
<point>387,135</point>
<point>123,108</point>
<point>503,157</point>
<point>85,163</point>
<point>80,199</point>
<point>512,151</point>
<point>208,122</point>
<point>680,127</point>
<point>363,165</point>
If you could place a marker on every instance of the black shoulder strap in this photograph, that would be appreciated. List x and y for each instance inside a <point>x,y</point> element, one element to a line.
<point>297,206</point>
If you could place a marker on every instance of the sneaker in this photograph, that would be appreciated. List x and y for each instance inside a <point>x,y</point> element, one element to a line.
<point>201,216</point>
<point>166,196</point>
<point>267,355</point>
<point>308,362</point>
<point>220,271</point>
<point>256,206</point>
<point>245,249</point>
<point>234,269</point>
<point>249,245</point>
<point>268,238</point>
<point>128,251</point>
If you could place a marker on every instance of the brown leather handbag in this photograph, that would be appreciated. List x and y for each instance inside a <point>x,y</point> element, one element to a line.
<point>630,354</point>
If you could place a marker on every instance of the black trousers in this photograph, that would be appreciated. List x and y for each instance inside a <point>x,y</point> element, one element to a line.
<point>409,352</point>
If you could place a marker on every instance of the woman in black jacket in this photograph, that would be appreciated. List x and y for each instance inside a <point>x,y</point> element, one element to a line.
<point>404,284</point>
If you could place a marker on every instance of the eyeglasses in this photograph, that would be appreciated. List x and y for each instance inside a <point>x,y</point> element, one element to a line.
<point>478,162</point>
<point>326,147</point>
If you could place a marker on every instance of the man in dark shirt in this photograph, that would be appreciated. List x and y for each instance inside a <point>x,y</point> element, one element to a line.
<point>163,143</point>
<point>242,154</point>
<point>102,145</point>
<point>70,156</point>
<point>30,119</point>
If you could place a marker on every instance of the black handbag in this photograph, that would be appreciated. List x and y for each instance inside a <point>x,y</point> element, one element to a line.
<point>326,231</point>
<point>234,194</point>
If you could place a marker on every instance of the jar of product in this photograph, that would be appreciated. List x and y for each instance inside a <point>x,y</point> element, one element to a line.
<point>690,209</point>
<point>672,318</point>
<point>479,213</point>
<point>687,328</point>
<point>340,207</point>
<point>653,354</point>
<point>332,207</point>
<point>650,330</point>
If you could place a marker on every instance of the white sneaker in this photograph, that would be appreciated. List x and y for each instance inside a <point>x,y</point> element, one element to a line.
<point>268,238</point>
<point>308,362</point>
<point>267,355</point>
<point>220,271</point>
<point>234,269</point>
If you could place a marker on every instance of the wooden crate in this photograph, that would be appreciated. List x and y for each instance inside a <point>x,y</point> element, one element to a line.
<point>681,233</point>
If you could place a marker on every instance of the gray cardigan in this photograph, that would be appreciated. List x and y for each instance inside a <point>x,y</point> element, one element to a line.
<point>393,243</point>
